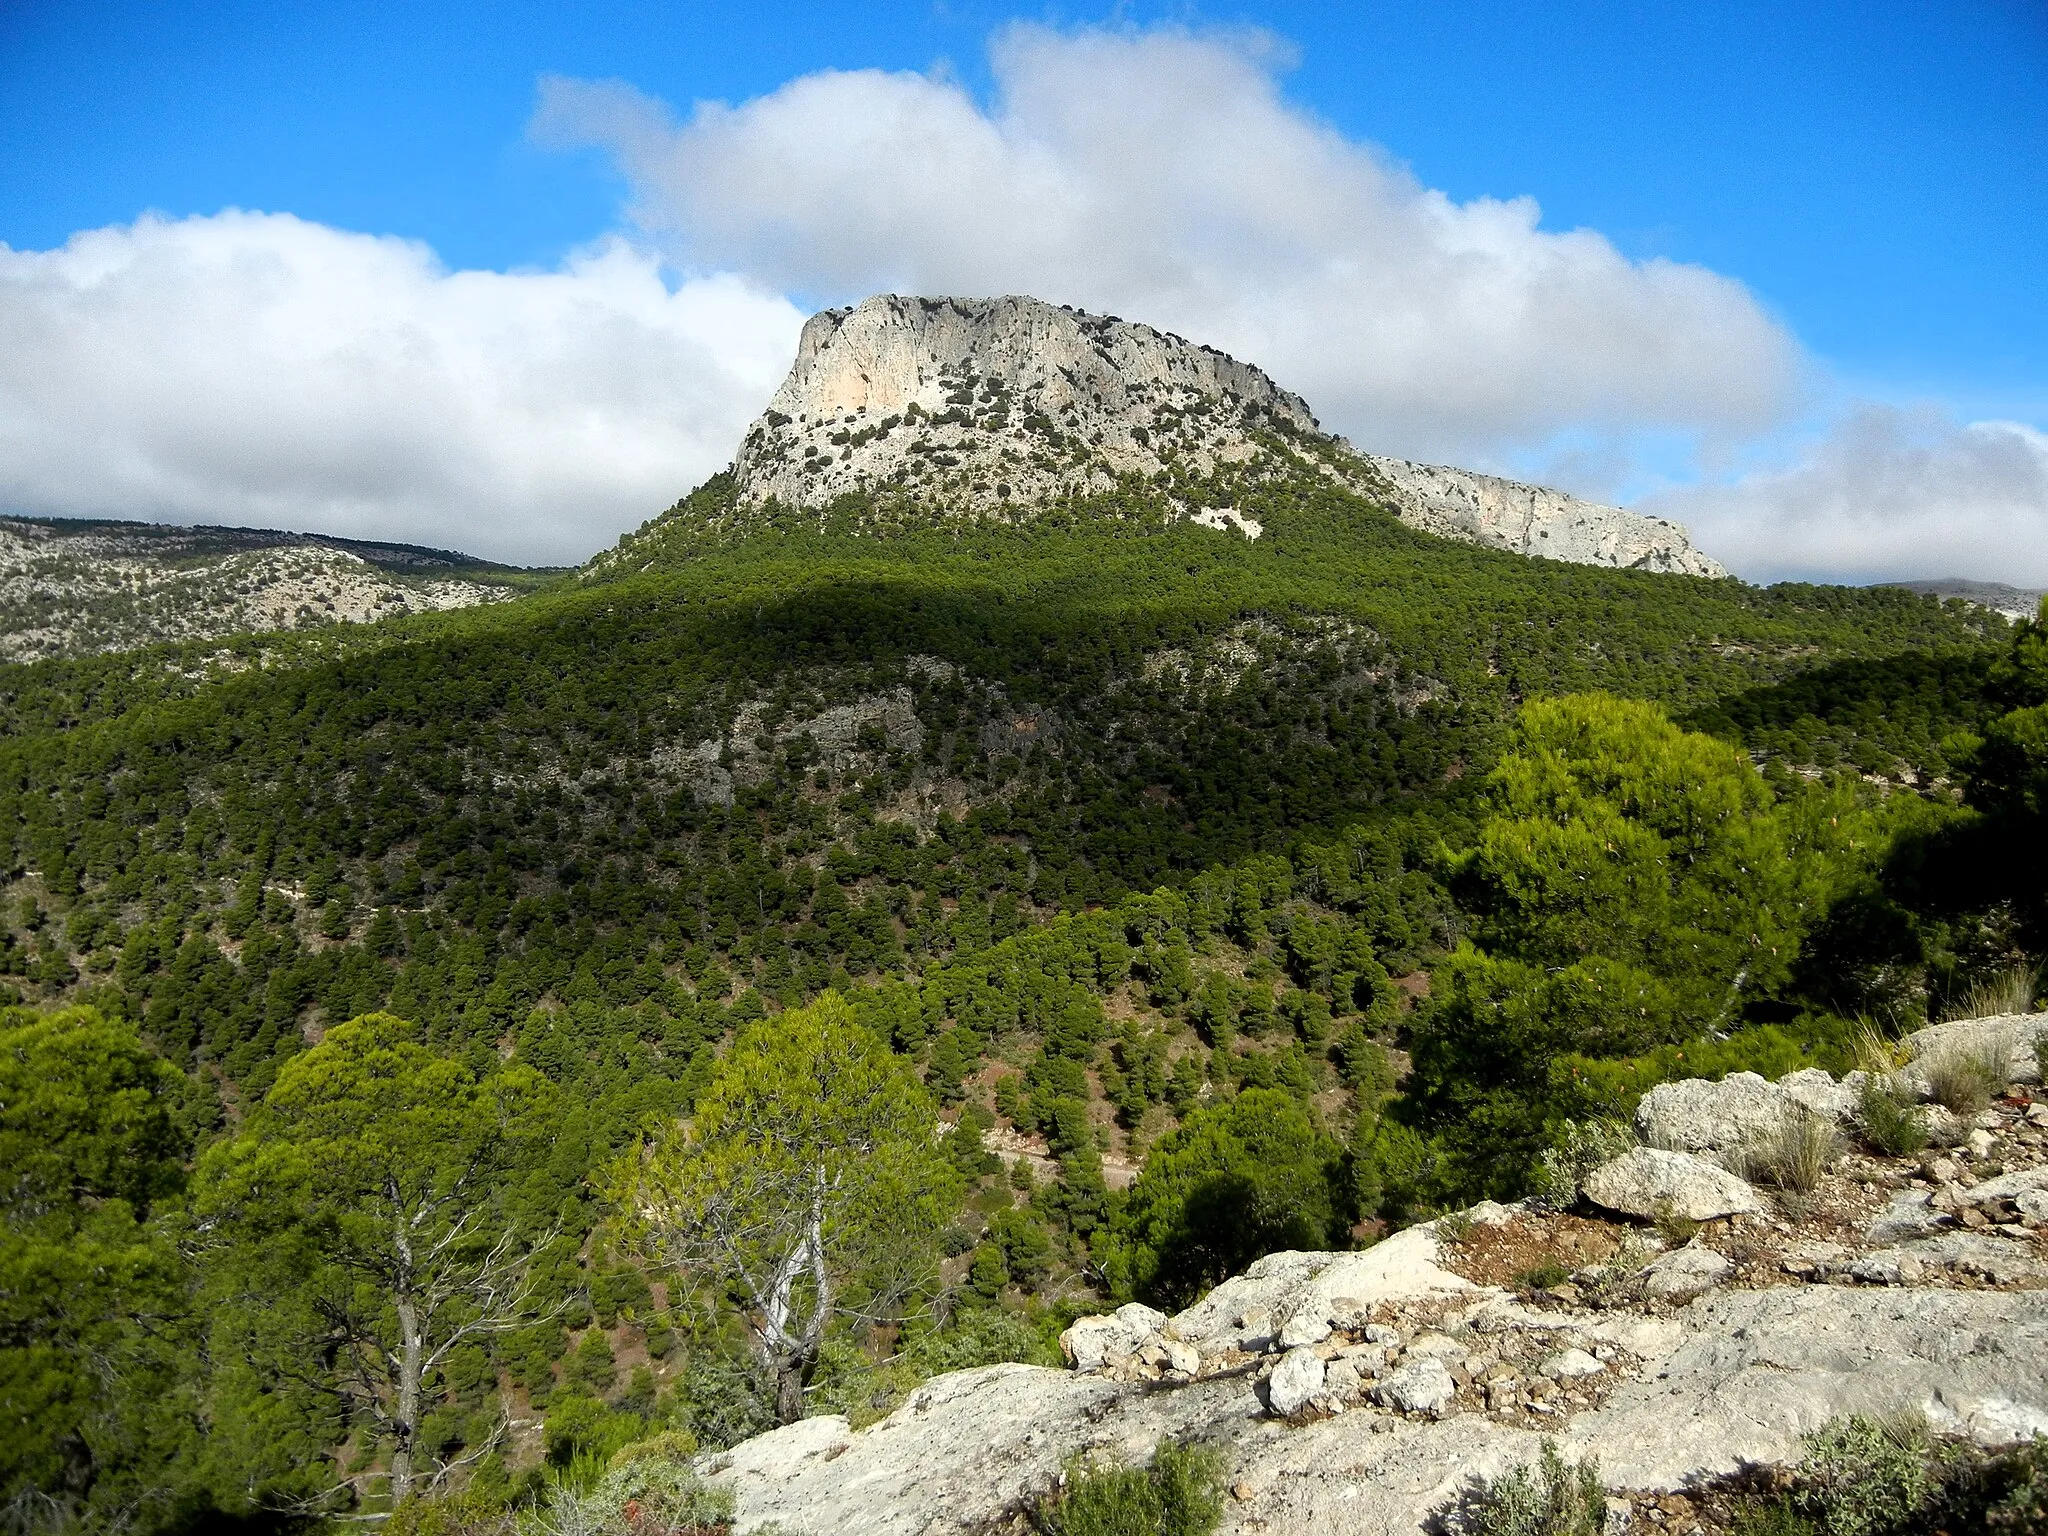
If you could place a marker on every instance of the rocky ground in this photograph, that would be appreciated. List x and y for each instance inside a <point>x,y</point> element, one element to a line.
<point>72,589</point>
<point>1677,1321</point>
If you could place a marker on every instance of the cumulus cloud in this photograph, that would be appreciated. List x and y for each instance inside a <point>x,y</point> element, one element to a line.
<point>1162,175</point>
<point>1886,494</point>
<point>257,369</point>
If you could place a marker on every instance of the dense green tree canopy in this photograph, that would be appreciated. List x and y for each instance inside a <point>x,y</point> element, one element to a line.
<point>1236,1180</point>
<point>90,1144</point>
<point>363,1207</point>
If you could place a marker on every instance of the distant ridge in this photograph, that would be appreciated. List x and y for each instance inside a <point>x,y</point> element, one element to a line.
<point>996,407</point>
<point>71,587</point>
<point>2013,602</point>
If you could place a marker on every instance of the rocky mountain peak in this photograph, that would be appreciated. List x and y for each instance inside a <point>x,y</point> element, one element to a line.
<point>1003,400</point>
<point>993,407</point>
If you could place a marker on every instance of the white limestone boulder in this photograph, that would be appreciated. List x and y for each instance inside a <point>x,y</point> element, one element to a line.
<point>1092,1342</point>
<point>1294,1382</point>
<point>1649,1183</point>
<point>2012,1040</point>
<point>1684,1271</point>
<point>1426,1386</point>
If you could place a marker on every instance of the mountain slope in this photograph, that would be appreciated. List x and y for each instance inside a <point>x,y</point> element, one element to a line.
<point>76,588</point>
<point>1096,815</point>
<point>1007,407</point>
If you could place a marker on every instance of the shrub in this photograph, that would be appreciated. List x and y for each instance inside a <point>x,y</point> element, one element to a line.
<point>1548,1499</point>
<point>1575,1151</point>
<point>1542,1276</point>
<point>1794,1153</point>
<point>1179,1494</point>
<point>1861,1476</point>
<point>2003,992</point>
<point>1890,1125</point>
<point>471,1512</point>
<point>648,1490</point>
<point>1237,1180</point>
<point>578,1425</point>
<point>984,1337</point>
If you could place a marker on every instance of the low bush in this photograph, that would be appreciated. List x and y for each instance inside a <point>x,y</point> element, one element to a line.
<point>1179,1494</point>
<point>1576,1149</point>
<point>1550,1498</point>
<point>1542,1276</point>
<point>470,1512</point>
<point>648,1490</point>
<point>1863,1477</point>
<point>2003,992</point>
<point>1890,1124</point>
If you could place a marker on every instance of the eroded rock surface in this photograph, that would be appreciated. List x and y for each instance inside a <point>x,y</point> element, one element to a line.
<point>1534,520</point>
<point>1650,1182</point>
<point>1362,1392</point>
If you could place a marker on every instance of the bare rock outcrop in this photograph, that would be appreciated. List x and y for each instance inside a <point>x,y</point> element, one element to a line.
<point>1365,1391</point>
<point>994,407</point>
<point>1534,520</point>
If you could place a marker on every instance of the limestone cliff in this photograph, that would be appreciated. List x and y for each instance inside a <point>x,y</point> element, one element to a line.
<point>993,407</point>
<point>1532,520</point>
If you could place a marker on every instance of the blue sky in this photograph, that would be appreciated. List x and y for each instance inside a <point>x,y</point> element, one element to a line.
<point>1872,176</point>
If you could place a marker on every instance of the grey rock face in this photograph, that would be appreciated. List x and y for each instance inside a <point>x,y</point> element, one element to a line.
<point>1649,1182</point>
<point>1685,1272</point>
<point>2028,1190</point>
<point>1908,1216</point>
<point>990,407</point>
<point>1532,520</point>
<point>942,395</point>
<point>1570,1364</point>
<point>2009,1040</point>
<point>1711,1117</point>
<point>1094,1341</point>
<point>1738,1376</point>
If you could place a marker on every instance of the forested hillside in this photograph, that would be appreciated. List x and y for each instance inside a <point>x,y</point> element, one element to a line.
<point>1214,895</point>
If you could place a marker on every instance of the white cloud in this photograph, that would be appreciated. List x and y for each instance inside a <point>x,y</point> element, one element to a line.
<point>261,370</point>
<point>1886,494</point>
<point>1163,176</point>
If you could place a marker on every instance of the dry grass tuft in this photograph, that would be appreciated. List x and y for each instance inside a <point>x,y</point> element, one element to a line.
<point>1794,1153</point>
<point>1964,1077</point>
<point>2002,992</point>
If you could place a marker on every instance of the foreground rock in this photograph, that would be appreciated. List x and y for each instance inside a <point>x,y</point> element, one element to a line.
<point>1652,1183</point>
<point>1735,1378</point>
<point>1362,1392</point>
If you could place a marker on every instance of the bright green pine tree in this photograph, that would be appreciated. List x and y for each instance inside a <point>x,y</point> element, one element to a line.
<point>809,1179</point>
<point>359,1220</point>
